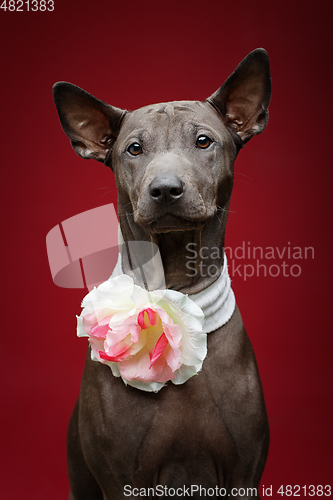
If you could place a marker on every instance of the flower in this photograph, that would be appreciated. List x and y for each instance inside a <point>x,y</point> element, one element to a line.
<point>146,338</point>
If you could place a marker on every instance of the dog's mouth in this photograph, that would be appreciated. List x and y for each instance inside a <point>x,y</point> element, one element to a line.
<point>167,223</point>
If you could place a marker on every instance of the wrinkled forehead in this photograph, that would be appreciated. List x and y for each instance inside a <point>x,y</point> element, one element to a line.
<point>176,115</point>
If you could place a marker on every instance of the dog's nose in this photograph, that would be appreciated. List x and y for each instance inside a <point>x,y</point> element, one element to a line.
<point>166,189</point>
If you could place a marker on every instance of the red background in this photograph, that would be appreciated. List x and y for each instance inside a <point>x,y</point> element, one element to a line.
<point>131,54</point>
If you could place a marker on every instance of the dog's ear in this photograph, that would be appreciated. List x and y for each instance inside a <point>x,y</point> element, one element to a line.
<point>244,97</point>
<point>91,124</point>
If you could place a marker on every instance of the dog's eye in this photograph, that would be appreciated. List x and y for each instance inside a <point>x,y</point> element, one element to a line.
<point>203,142</point>
<point>134,149</point>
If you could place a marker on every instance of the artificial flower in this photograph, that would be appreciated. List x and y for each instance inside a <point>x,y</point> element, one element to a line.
<point>146,338</point>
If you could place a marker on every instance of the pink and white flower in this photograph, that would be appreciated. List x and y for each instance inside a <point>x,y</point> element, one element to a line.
<point>146,338</point>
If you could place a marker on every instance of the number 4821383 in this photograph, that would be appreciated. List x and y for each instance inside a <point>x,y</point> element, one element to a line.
<point>27,5</point>
<point>306,491</point>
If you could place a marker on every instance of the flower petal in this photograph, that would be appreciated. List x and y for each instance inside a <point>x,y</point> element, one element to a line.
<point>100,329</point>
<point>80,331</point>
<point>96,346</point>
<point>117,352</point>
<point>172,357</point>
<point>159,349</point>
<point>148,319</point>
<point>137,370</point>
<point>140,369</point>
<point>183,374</point>
<point>107,293</point>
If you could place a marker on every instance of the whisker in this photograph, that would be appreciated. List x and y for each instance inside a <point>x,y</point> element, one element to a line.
<point>127,204</point>
<point>111,189</point>
<point>128,213</point>
<point>243,175</point>
<point>108,192</point>
<point>239,174</point>
<point>221,209</point>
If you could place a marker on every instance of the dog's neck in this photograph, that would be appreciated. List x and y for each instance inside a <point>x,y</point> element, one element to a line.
<point>192,260</point>
<point>205,279</point>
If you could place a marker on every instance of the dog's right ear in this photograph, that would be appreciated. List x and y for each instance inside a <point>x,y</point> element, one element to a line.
<point>243,99</point>
<point>91,124</point>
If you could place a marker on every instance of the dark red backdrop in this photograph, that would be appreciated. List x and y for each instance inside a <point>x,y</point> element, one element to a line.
<point>131,54</point>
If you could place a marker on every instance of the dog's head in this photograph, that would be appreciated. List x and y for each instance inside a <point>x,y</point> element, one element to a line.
<point>173,162</point>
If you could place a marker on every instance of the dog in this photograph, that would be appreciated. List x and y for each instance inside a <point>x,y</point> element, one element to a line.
<point>173,166</point>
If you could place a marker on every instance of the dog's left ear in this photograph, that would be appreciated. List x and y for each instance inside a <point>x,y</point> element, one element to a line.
<point>91,124</point>
<point>244,97</point>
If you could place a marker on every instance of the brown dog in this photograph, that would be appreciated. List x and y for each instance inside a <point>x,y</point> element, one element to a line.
<point>173,165</point>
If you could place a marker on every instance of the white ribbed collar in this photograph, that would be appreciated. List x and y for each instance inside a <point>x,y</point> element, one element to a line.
<point>217,301</point>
